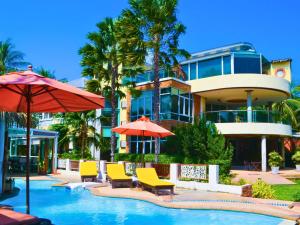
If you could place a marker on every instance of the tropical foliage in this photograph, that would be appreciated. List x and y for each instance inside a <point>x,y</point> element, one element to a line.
<point>200,142</point>
<point>10,59</point>
<point>78,128</point>
<point>111,55</point>
<point>289,109</point>
<point>296,157</point>
<point>157,21</point>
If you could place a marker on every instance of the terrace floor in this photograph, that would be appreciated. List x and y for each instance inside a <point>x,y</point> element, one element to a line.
<point>268,177</point>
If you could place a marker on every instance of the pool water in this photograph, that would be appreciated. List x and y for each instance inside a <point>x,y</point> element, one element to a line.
<point>66,207</point>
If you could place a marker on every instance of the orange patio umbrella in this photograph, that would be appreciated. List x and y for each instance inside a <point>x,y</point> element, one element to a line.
<point>30,92</point>
<point>143,127</point>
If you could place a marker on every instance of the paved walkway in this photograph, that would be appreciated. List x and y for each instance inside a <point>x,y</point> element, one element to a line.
<point>268,177</point>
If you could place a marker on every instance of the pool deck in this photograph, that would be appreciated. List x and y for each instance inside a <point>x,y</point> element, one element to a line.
<point>192,199</point>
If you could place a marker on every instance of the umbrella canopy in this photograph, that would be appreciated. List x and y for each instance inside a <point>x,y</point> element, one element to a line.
<point>143,127</point>
<point>46,95</point>
<point>30,92</point>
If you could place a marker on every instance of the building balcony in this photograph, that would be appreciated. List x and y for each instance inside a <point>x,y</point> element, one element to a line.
<point>249,122</point>
<point>231,88</point>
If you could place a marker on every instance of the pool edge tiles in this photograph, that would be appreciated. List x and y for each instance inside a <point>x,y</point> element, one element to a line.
<point>257,208</point>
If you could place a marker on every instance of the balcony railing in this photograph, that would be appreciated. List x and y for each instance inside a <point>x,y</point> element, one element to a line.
<point>243,116</point>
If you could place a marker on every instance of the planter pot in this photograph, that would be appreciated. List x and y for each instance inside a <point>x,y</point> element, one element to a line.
<point>298,167</point>
<point>275,169</point>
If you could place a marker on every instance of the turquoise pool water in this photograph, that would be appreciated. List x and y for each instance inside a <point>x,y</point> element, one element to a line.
<point>66,207</point>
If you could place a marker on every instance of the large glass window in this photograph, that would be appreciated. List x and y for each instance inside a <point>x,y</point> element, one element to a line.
<point>227,64</point>
<point>210,67</point>
<point>246,63</point>
<point>185,69</point>
<point>193,71</point>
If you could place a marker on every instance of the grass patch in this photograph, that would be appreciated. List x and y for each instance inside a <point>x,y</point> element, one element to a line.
<point>287,191</point>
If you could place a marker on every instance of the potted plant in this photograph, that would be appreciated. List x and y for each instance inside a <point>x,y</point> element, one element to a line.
<point>41,168</point>
<point>296,159</point>
<point>275,161</point>
<point>9,185</point>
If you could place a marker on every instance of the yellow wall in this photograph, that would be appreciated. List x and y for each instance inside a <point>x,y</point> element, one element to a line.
<point>281,69</point>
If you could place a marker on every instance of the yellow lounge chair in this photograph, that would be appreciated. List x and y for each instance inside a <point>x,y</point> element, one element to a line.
<point>148,178</point>
<point>88,170</point>
<point>116,175</point>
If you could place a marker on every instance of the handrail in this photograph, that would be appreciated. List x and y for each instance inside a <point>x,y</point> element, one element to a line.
<point>241,116</point>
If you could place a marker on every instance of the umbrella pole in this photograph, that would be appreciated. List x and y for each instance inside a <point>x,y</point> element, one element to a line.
<point>28,151</point>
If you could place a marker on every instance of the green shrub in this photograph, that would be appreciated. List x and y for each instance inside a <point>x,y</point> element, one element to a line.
<point>74,155</point>
<point>225,179</point>
<point>261,189</point>
<point>162,158</point>
<point>242,182</point>
<point>296,196</point>
<point>296,157</point>
<point>275,159</point>
<point>224,166</point>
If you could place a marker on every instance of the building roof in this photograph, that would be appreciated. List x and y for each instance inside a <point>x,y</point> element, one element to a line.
<point>79,83</point>
<point>241,46</point>
<point>281,60</point>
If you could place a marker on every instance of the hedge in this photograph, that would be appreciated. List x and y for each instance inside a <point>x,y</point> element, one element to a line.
<point>224,165</point>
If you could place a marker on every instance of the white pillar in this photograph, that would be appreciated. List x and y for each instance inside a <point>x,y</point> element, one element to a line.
<point>55,154</point>
<point>102,173</point>
<point>174,172</point>
<point>263,153</point>
<point>213,174</point>
<point>68,166</point>
<point>249,106</point>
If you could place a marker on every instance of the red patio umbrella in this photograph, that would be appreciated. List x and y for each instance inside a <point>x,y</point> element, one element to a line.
<point>30,92</point>
<point>143,127</point>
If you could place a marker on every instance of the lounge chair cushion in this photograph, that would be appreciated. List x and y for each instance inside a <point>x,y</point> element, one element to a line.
<point>117,172</point>
<point>88,169</point>
<point>149,176</point>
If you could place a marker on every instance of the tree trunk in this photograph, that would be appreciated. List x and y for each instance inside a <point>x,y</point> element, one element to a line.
<point>156,96</point>
<point>113,113</point>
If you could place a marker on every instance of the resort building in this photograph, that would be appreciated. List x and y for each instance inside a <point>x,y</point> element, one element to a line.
<point>233,86</point>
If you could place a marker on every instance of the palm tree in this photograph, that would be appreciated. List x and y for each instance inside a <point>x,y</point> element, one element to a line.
<point>157,21</point>
<point>10,59</point>
<point>110,55</point>
<point>46,73</point>
<point>77,127</point>
<point>289,109</point>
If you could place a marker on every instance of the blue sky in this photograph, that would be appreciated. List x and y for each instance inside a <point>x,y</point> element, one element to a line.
<point>50,32</point>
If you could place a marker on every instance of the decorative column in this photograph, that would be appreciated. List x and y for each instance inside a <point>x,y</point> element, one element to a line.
<point>213,174</point>
<point>249,106</point>
<point>55,154</point>
<point>263,153</point>
<point>174,172</point>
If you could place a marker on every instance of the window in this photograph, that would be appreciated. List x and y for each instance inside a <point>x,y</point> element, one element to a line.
<point>227,64</point>
<point>193,71</point>
<point>185,69</point>
<point>209,67</point>
<point>246,63</point>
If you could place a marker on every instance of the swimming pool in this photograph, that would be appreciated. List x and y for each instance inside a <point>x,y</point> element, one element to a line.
<point>66,207</point>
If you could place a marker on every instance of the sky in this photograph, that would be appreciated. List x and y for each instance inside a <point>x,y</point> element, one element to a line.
<point>50,32</point>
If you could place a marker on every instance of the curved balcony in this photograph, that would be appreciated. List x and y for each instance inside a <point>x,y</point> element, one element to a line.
<point>255,122</point>
<point>232,88</point>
